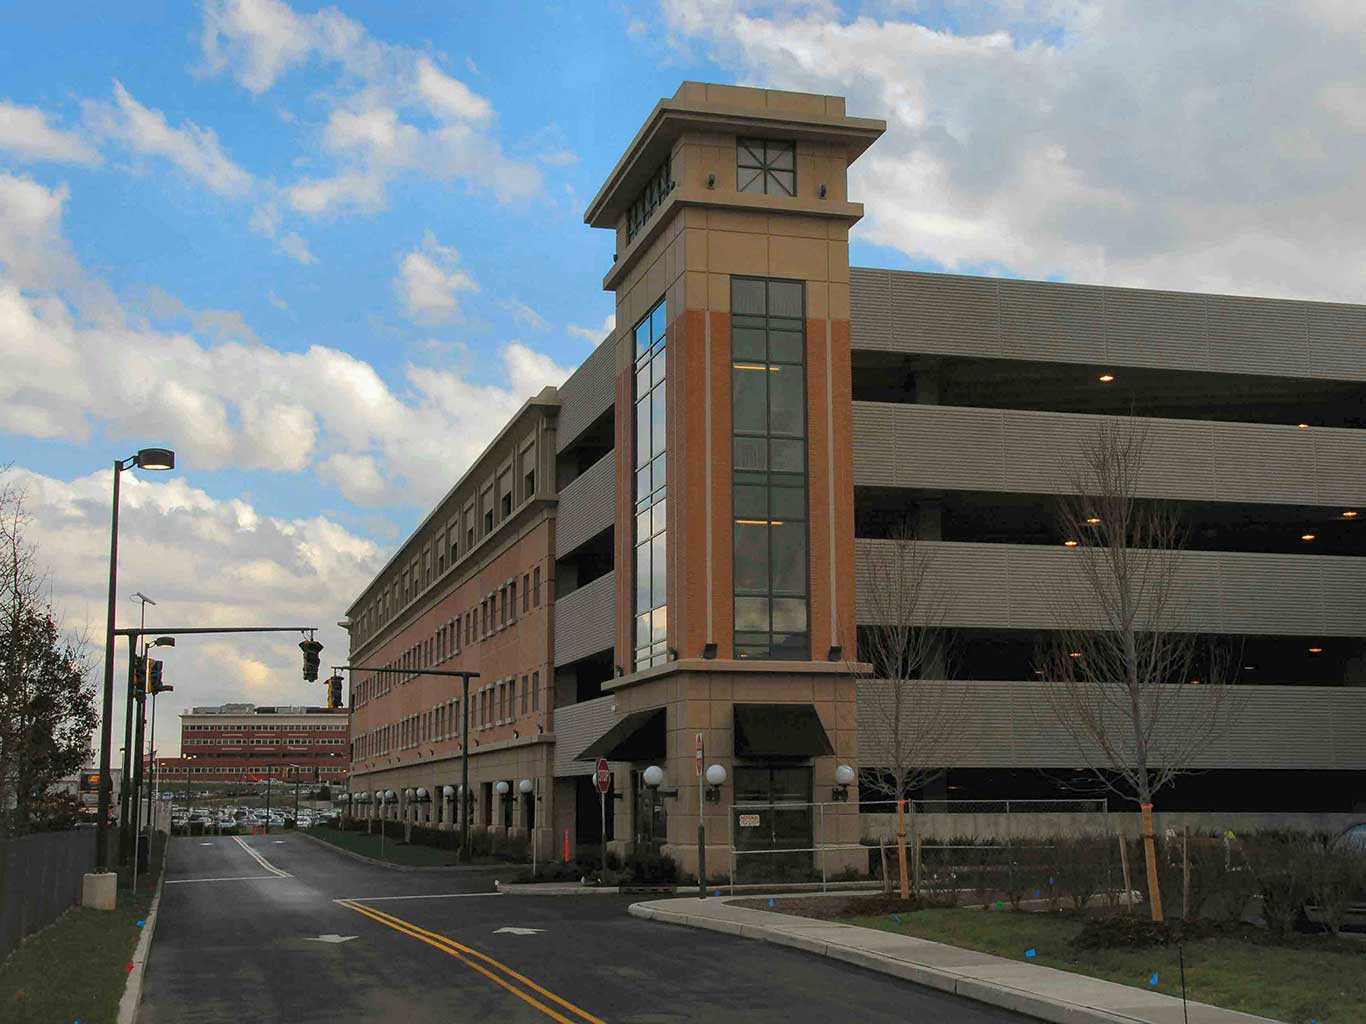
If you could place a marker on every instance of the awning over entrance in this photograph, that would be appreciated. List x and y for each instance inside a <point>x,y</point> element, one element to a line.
<point>780,730</point>
<point>640,736</point>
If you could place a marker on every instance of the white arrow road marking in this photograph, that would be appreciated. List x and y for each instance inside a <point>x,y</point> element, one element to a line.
<point>332,938</point>
<point>259,859</point>
<point>518,931</point>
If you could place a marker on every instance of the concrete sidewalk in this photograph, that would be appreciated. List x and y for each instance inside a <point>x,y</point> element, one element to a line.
<point>1042,992</point>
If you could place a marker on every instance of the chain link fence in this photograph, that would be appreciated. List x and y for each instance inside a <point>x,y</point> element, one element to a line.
<point>1001,850</point>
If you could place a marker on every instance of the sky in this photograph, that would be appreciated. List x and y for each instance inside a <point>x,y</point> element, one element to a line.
<point>324,251</point>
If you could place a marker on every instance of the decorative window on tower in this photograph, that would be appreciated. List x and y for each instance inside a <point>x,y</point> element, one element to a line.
<point>651,197</point>
<point>768,422</point>
<point>766,166</point>
<point>651,609</point>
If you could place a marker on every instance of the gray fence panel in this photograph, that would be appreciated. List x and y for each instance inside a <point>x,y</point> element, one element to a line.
<point>40,877</point>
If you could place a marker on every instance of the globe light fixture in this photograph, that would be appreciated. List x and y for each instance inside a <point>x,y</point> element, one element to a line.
<point>501,788</point>
<point>525,786</point>
<point>653,776</point>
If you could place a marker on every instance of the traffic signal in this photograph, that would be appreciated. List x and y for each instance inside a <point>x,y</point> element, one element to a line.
<point>311,649</point>
<point>139,674</point>
<point>334,692</point>
<point>154,684</point>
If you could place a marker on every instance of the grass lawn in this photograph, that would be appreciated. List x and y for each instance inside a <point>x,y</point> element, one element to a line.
<point>394,852</point>
<point>1311,979</point>
<point>75,969</point>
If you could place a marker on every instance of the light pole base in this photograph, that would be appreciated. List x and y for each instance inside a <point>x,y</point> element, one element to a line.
<point>99,890</point>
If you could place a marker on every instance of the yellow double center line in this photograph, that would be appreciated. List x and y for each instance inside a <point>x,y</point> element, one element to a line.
<point>518,985</point>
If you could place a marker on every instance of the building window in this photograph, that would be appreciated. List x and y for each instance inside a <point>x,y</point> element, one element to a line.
<point>651,599</point>
<point>768,403</point>
<point>766,166</point>
<point>661,183</point>
<point>512,600</point>
<point>535,691</point>
<point>529,473</point>
<point>526,593</point>
<point>536,587</point>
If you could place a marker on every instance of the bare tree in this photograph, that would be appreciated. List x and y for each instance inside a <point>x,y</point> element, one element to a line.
<point>47,701</point>
<point>1138,690</point>
<point>911,712</point>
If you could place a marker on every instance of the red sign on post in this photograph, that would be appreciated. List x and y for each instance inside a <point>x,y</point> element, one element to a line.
<point>603,776</point>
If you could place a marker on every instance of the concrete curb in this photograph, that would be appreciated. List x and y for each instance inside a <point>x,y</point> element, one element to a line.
<point>131,1000</point>
<point>554,889</point>
<point>446,868</point>
<point>1034,1004</point>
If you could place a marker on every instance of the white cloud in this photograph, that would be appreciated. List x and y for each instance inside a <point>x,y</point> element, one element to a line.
<point>235,401</point>
<point>1114,141</point>
<point>259,40</point>
<point>206,562</point>
<point>429,282</point>
<point>525,315</point>
<point>193,149</point>
<point>297,249</point>
<point>25,132</point>
<point>593,335</point>
<point>449,98</point>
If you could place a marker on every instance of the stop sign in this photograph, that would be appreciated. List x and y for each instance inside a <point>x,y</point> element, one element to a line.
<point>603,776</point>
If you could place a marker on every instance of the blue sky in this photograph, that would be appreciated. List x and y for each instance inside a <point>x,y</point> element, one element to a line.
<point>325,250</point>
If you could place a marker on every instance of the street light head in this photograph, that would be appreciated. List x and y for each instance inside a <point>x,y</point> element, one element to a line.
<point>653,775</point>
<point>155,458</point>
<point>164,641</point>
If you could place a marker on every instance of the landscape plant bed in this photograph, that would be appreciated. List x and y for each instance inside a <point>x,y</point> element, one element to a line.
<point>76,968</point>
<point>1297,978</point>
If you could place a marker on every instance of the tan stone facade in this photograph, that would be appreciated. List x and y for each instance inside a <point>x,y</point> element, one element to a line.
<point>702,233</point>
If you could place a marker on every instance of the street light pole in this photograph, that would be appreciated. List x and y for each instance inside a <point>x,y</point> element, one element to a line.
<point>126,781</point>
<point>146,458</point>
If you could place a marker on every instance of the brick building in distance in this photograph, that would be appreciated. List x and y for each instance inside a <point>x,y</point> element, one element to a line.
<point>244,742</point>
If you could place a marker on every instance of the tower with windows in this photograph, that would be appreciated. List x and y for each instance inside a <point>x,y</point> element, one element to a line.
<point>734,560</point>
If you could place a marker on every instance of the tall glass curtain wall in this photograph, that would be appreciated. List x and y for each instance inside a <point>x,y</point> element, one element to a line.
<point>652,613</point>
<point>768,407</point>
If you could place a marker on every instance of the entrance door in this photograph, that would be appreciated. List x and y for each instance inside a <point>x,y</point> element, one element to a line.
<point>772,823</point>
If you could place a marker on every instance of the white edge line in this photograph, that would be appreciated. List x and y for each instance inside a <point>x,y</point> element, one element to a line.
<point>232,878</point>
<point>433,896</point>
<point>260,859</point>
<point>131,999</point>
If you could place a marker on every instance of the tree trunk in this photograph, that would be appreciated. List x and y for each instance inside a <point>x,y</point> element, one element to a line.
<point>1150,855</point>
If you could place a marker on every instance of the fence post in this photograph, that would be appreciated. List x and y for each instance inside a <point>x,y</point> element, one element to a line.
<point>1124,865</point>
<point>821,848</point>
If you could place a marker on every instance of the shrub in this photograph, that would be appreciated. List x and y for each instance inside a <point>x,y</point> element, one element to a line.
<point>1082,868</point>
<point>653,869</point>
<point>1337,879</point>
<point>1280,863</point>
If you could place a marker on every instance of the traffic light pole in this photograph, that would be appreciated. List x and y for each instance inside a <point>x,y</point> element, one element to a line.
<point>465,678</point>
<point>132,754</point>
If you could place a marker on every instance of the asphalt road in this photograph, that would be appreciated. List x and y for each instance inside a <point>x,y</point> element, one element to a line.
<point>237,939</point>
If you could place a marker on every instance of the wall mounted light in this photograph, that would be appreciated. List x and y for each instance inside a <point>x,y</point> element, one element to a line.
<point>844,777</point>
<point>835,653</point>
<point>1350,514</point>
<point>501,788</point>
<point>1106,378</point>
<point>822,191</point>
<point>1071,543</point>
<point>1303,426</point>
<point>525,786</point>
<point>1316,650</point>
<point>653,777</point>
<point>1308,536</point>
<point>1093,520</point>
<point>711,181</point>
<point>709,651</point>
<point>716,778</point>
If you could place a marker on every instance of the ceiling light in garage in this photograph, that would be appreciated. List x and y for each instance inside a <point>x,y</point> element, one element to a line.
<point>1304,426</point>
<point>1316,650</point>
<point>1070,543</point>
<point>1350,514</point>
<point>1106,378</point>
<point>1308,536</point>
